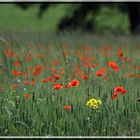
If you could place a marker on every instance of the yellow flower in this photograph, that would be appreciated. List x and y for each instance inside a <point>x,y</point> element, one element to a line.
<point>89,103</point>
<point>94,103</point>
<point>99,102</point>
<point>95,106</point>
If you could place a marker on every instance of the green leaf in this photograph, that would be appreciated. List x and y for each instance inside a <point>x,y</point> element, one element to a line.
<point>12,129</point>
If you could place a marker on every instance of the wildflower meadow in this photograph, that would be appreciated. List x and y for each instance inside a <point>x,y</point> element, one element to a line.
<point>69,85</point>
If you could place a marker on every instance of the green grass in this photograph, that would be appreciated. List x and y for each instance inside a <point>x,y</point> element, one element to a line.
<point>43,113</point>
<point>15,19</point>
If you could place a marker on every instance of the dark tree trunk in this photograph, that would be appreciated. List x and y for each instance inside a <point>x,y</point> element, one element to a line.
<point>134,17</point>
<point>78,18</point>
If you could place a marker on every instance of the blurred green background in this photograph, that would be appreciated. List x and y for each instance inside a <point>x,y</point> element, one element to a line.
<point>15,19</point>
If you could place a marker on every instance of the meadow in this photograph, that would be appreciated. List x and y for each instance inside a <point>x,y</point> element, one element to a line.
<point>69,85</point>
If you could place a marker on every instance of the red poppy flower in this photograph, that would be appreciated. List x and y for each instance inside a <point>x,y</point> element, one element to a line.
<point>57,77</point>
<point>38,70</point>
<point>100,72</point>
<point>120,53</point>
<point>113,65</point>
<point>16,63</point>
<point>62,73</point>
<point>15,73</point>
<point>114,95</point>
<point>25,82</point>
<point>54,70</point>
<point>44,80</point>
<point>8,53</point>
<point>68,108</point>
<point>123,91</point>
<point>120,89</point>
<point>75,83</point>
<point>130,74</point>
<point>84,77</point>
<point>50,79</point>
<point>117,90</point>
<point>27,96</point>
<point>28,56</point>
<point>35,73</point>
<point>25,74</point>
<point>33,82</point>
<point>14,86</point>
<point>57,86</point>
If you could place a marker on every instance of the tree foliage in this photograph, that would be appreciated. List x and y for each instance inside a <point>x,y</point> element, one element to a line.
<point>78,17</point>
